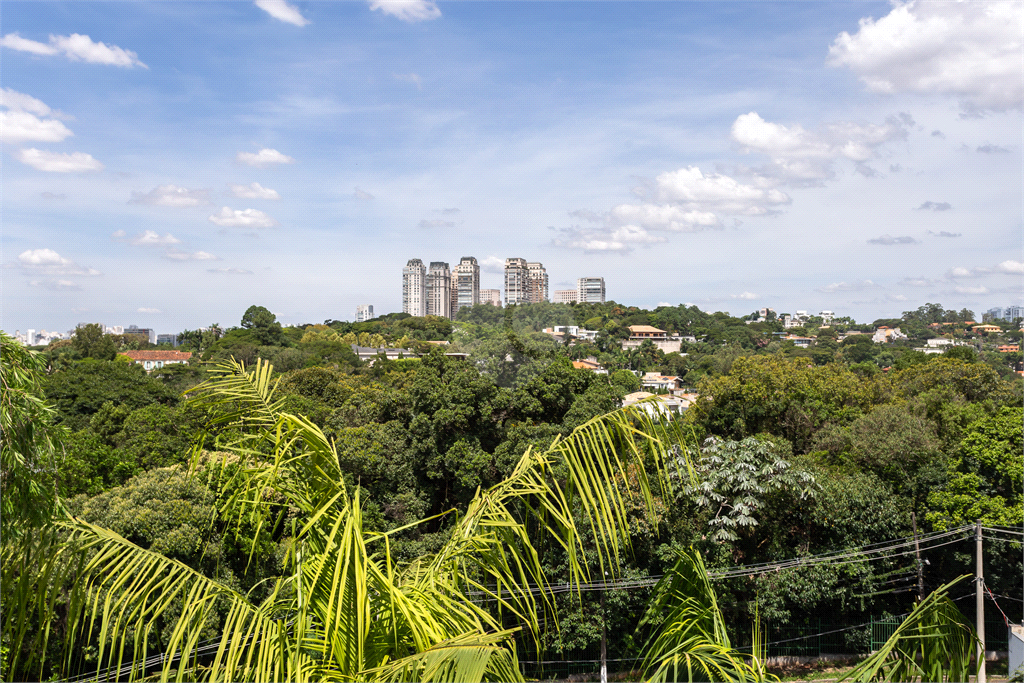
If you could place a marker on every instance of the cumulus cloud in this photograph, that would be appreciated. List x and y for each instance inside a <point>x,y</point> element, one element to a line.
<point>147,310</point>
<point>178,255</point>
<point>435,223</point>
<point>855,286</point>
<point>805,157</point>
<point>693,190</point>
<point>58,162</point>
<point>360,194</point>
<point>665,217</point>
<point>264,157</point>
<point>56,285</point>
<point>945,233</point>
<point>20,121</point>
<point>171,195</point>
<point>230,271</point>
<point>492,264</point>
<point>622,239</point>
<point>1011,267</point>
<point>407,10</point>
<point>747,296</point>
<point>149,238</point>
<point>49,262</point>
<point>992,149</point>
<point>919,282</point>
<point>979,289</point>
<point>969,50</point>
<point>935,206</point>
<point>282,11</point>
<point>889,240</point>
<point>938,134</point>
<point>77,48</point>
<point>242,218</point>
<point>254,191</point>
<point>410,78</point>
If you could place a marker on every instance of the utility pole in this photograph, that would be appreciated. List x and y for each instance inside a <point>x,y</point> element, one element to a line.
<point>979,601</point>
<point>604,639</point>
<point>917,551</point>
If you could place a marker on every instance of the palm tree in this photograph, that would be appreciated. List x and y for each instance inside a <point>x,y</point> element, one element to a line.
<point>345,609</point>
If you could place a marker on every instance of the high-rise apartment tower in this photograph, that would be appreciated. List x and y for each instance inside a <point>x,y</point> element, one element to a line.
<point>439,290</point>
<point>538,285</point>
<point>517,281</point>
<point>590,290</point>
<point>414,288</point>
<point>364,312</point>
<point>465,284</point>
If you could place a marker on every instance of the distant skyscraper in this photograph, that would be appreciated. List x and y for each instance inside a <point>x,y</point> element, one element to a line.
<point>517,281</point>
<point>171,339</point>
<point>465,284</point>
<point>439,290</point>
<point>1013,313</point>
<point>414,288</point>
<point>364,312</point>
<point>565,296</point>
<point>992,314</point>
<point>491,296</point>
<point>537,289</point>
<point>590,290</point>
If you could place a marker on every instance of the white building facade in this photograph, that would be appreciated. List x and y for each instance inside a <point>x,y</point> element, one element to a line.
<point>414,288</point>
<point>590,290</point>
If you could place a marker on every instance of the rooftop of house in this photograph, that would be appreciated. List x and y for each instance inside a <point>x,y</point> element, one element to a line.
<point>158,355</point>
<point>645,329</point>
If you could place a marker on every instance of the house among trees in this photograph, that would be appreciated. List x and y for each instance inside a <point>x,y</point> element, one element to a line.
<point>154,360</point>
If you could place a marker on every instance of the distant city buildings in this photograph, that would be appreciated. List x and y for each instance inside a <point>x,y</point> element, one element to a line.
<point>171,339</point>
<point>466,284</point>
<point>1009,314</point>
<point>491,296</point>
<point>148,332</point>
<point>439,290</point>
<point>564,296</point>
<point>364,312</point>
<point>414,288</point>
<point>590,290</point>
<point>537,283</point>
<point>517,277</point>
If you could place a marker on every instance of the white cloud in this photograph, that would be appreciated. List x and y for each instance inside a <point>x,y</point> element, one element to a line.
<point>410,78</point>
<point>57,162</point>
<point>242,218</point>
<point>147,310</point>
<point>802,157</point>
<point>360,194</point>
<point>77,48</point>
<point>665,217</point>
<point>694,191</point>
<point>435,223</point>
<point>889,240</point>
<point>992,149</point>
<point>21,122</point>
<point>265,157</point>
<point>282,11</point>
<point>230,271</point>
<point>407,10</point>
<point>254,191</point>
<point>621,239</point>
<point>492,264</point>
<point>151,239</point>
<point>177,255</point>
<point>49,262</point>
<point>980,289</point>
<point>919,282</point>
<point>21,126</point>
<point>171,195</point>
<point>56,285</point>
<point>935,206</point>
<point>1012,267</point>
<point>855,286</point>
<point>748,296</point>
<point>967,50</point>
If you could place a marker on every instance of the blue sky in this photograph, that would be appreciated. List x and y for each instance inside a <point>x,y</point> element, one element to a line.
<point>169,164</point>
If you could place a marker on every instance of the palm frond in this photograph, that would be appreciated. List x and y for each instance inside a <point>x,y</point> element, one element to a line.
<point>692,644</point>
<point>934,643</point>
<point>464,659</point>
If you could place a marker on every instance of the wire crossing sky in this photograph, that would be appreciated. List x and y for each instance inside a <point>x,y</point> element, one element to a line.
<point>169,164</point>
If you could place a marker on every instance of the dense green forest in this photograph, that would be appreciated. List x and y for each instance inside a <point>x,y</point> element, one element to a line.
<point>797,451</point>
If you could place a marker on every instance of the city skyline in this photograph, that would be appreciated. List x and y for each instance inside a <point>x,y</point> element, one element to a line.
<point>171,164</point>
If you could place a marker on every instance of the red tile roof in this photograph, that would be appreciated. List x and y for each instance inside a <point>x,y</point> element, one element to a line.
<point>158,355</point>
